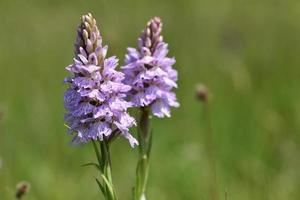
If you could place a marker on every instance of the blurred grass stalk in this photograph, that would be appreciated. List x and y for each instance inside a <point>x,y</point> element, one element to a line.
<point>204,96</point>
<point>145,142</point>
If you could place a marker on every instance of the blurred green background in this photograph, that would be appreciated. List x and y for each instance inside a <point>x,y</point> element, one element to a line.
<point>246,52</point>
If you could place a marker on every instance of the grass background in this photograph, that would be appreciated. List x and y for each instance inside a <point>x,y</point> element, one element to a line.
<point>246,52</point>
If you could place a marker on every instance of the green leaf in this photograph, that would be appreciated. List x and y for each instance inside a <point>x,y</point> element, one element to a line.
<point>110,188</point>
<point>93,165</point>
<point>97,153</point>
<point>100,186</point>
<point>107,183</point>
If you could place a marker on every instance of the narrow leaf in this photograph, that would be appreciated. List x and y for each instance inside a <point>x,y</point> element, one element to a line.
<point>100,186</point>
<point>109,186</point>
<point>93,165</point>
<point>97,152</point>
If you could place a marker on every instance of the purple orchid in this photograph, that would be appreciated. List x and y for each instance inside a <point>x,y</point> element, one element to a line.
<point>149,72</point>
<point>94,101</point>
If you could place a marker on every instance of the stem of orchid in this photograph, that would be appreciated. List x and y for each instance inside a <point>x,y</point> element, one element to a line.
<point>110,189</point>
<point>145,138</point>
<point>103,157</point>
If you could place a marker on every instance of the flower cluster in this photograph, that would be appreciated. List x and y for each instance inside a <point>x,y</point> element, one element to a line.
<point>94,101</point>
<point>149,71</point>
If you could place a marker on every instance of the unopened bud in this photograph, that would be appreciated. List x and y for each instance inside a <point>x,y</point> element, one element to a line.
<point>85,34</point>
<point>148,42</point>
<point>160,39</point>
<point>202,93</point>
<point>89,46</point>
<point>153,26</point>
<point>148,32</point>
<point>157,20</point>
<point>145,51</point>
<point>89,19</point>
<point>87,26</point>
<point>22,188</point>
<point>82,18</point>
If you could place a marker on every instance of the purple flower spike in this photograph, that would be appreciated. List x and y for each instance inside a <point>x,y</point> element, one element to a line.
<point>149,71</point>
<point>94,101</point>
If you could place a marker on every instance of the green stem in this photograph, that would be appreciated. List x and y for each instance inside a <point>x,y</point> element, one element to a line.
<point>211,153</point>
<point>144,137</point>
<point>103,157</point>
<point>111,193</point>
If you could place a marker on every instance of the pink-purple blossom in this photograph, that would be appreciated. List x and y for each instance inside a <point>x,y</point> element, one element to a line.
<point>94,101</point>
<point>149,72</point>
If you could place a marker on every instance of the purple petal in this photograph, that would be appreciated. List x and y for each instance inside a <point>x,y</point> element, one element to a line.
<point>133,142</point>
<point>161,50</point>
<point>83,108</point>
<point>93,59</point>
<point>83,59</point>
<point>160,109</point>
<point>103,111</point>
